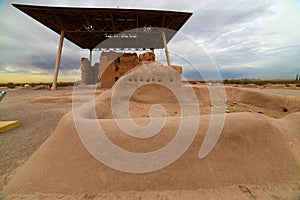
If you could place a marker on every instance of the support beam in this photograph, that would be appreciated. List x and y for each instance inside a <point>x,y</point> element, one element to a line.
<point>91,55</point>
<point>58,56</point>
<point>166,47</point>
<point>152,50</point>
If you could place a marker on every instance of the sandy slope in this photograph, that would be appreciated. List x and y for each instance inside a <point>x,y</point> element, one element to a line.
<point>256,157</point>
<point>252,150</point>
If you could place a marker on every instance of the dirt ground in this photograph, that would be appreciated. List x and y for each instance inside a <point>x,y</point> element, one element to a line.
<point>38,121</point>
<point>39,112</point>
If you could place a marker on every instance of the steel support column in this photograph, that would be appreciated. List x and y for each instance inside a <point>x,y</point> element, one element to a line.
<point>57,63</point>
<point>166,47</point>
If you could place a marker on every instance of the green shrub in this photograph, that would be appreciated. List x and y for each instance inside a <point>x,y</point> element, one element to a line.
<point>10,85</point>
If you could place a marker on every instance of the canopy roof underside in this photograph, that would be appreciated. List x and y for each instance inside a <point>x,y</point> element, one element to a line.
<point>124,28</point>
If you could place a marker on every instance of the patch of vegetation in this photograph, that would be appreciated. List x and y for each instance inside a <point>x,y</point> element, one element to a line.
<point>259,82</point>
<point>193,82</point>
<point>65,84</point>
<point>10,85</point>
<point>14,85</point>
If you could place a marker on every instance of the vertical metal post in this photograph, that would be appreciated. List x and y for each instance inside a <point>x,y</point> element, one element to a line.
<point>166,47</point>
<point>58,56</point>
<point>91,55</point>
<point>152,50</point>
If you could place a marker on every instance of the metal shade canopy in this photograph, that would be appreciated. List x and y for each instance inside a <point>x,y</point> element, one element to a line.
<point>89,27</point>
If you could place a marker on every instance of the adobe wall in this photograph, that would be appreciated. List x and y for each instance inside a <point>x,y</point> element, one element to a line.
<point>114,65</point>
<point>89,74</point>
<point>120,63</point>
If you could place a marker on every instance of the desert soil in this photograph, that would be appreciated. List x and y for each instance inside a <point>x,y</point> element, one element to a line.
<point>39,112</point>
<point>38,121</point>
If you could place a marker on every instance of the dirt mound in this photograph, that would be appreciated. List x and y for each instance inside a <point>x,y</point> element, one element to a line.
<point>264,100</point>
<point>289,127</point>
<point>251,85</point>
<point>40,87</point>
<point>66,97</point>
<point>276,102</point>
<point>276,86</point>
<point>151,82</point>
<point>251,150</point>
<point>52,99</point>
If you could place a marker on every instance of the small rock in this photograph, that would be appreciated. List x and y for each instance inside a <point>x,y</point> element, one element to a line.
<point>227,111</point>
<point>260,112</point>
<point>250,110</point>
<point>233,103</point>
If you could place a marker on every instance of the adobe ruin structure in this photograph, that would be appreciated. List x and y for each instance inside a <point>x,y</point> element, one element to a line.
<point>114,65</point>
<point>106,28</point>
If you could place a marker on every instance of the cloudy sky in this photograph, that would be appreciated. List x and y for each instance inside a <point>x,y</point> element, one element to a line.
<point>239,38</point>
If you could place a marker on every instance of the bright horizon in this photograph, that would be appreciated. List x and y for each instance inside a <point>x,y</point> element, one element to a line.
<point>257,40</point>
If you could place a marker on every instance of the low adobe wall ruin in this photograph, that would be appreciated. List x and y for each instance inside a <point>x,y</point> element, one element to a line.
<point>114,65</point>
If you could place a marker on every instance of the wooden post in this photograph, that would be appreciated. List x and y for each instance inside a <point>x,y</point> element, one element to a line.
<point>166,47</point>
<point>58,56</point>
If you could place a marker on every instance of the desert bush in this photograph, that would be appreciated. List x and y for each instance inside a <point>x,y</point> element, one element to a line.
<point>10,85</point>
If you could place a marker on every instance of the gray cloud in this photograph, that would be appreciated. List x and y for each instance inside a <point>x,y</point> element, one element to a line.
<point>242,38</point>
